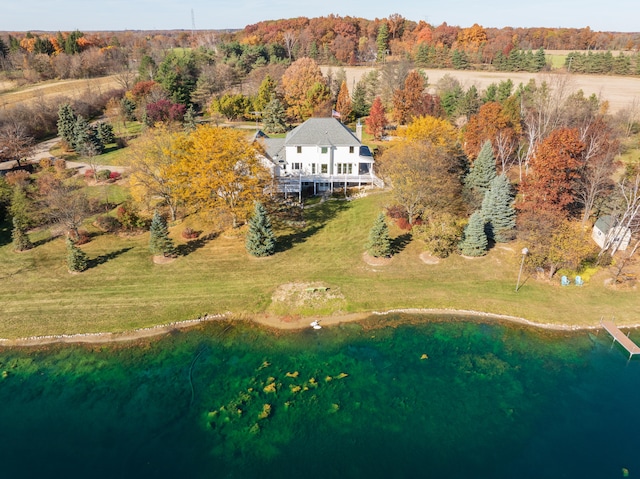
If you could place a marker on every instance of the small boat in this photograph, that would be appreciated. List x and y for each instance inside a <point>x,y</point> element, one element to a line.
<point>315,325</point>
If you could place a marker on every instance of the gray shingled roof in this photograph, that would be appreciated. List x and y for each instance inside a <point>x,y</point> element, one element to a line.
<point>322,132</point>
<point>605,223</point>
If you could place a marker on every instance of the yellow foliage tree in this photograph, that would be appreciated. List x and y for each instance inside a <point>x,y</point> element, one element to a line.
<point>439,132</point>
<point>152,160</point>
<point>219,171</point>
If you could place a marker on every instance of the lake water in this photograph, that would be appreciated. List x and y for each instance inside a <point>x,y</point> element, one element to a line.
<point>381,399</point>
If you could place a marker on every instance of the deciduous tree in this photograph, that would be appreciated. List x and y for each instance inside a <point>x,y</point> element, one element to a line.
<point>343,104</point>
<point>15,144</point>
<point>218,170</point>
<point>554,168</point>
<point>377,120</point>
<point>297,81</point>
<point>151,161</point>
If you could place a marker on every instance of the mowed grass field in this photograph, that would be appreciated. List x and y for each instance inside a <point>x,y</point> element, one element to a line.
<point>124,289</point>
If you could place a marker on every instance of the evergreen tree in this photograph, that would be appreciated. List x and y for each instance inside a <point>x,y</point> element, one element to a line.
<point>159,241</point>
<point>104,132</point>
<point>482,171</point>
<point>66,123</point>
<point>498,210</point>
<point>469,104</point>
<point>76,258</point>
<point>382,42</point>
<point>261,241</point>
<point>273,117</point>
<point>459,60</point>
<point>474,241</point>
<point>359,100</point>
<point>85,138</point>
<point>379,244</point>
<point>21,209</point>
<point>539,60</point>
<point>189,122</point>
<point>20,238</point>
<point>4,49</point>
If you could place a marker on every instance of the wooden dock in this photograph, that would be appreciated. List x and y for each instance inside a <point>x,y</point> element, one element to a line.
<point>617,335</point>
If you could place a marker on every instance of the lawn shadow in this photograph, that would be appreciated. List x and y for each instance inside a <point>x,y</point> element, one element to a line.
<point>46,240</point>
<point>399,243</point>
<point>92,263</point>
<point>194,245</point>
<point>315,219</point>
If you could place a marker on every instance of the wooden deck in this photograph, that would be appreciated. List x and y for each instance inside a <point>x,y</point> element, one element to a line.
<point>617,335</point>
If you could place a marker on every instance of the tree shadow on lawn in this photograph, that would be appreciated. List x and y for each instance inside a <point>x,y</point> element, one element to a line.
<point>194,245</point>
<point>97,261</point>
<point>399,243</point>
<point>316,219</point>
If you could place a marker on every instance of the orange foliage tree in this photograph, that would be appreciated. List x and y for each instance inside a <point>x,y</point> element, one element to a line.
<point>343,103</point>
<point>298,81</point>
<point>496,123</point>
<point>377,120</point>
<point>553,171</point>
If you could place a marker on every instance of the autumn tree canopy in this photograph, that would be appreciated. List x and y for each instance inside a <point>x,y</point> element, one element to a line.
<point>218,171</point>
<point>298,84</point>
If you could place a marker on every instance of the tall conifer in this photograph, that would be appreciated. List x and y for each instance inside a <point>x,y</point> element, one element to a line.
<point>261,241</point>
<point>379,244</point>
<point>474,241</point>
<point>159,241</point>
<point>498,210</point>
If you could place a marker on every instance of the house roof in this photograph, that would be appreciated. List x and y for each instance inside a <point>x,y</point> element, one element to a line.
<point>605,223</point>
<point>321,132</point>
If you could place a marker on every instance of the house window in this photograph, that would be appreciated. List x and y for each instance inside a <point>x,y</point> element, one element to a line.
<point>313,168</point>
<point>345,168</point>
<point>298,149</point>
<point>324,150</point>
<point>351,149</point>
<point>349,167</point>
<point>324,168</point>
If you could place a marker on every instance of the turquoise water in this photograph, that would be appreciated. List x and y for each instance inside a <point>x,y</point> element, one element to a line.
<point>235,401</point>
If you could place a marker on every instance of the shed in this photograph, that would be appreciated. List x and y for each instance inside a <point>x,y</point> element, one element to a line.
<point>606,230</point>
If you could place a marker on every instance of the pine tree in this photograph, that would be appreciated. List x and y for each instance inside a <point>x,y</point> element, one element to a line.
<point>66,123</point>
<point>382,41</point>
<point>498,210</point>
<point>483,170</point>
<point>359,100</point>
<point>474,241</point>
<point>76,258</point>
<point>159,241</point>
<point>20,238</point>
<point>273,117</point>
<point>261,241</point>
<point>189,121</point>
<point>379,244</point>
<point>85,138</point>
<point>20,208</point>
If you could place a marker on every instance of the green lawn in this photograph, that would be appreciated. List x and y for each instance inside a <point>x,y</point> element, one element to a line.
<point>124,290</point>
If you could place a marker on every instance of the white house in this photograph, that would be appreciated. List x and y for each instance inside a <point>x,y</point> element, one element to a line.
<point>318,156</point>
<point>607,231</point>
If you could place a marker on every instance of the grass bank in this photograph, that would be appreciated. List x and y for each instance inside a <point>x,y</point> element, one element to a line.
<point>123,289</point>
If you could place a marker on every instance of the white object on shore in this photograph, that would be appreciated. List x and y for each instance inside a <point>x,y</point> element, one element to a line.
<point>315,325</point>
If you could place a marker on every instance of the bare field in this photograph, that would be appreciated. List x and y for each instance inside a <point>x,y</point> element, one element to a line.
<point>50,90</point>
<point>619,91</point>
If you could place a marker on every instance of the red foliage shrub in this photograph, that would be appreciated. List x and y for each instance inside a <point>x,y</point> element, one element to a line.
<point>164,110</point>
<point>115,175</point>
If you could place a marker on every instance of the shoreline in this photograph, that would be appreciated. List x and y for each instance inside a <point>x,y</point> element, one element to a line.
<point>276,322</point>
